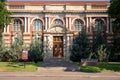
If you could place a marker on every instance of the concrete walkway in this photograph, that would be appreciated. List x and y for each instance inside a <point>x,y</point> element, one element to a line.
<point>59,74</point>
<point>58,64</point>
<point>60,68</point>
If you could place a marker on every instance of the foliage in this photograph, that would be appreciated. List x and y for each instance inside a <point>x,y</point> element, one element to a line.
<point>36,52</point>
<point>102,54</point>
<point>102,67</point>
<point>116,24</point>
<point>19,66</point>
<point>80,47</point>
<point>2,47</point>
<point>114,9</point>
<point>114,12</point>
<point>99,46</point>
<point>4,15</point>
<point>2,0</point>
<point>17,47</point>
<point>7,55</point>
<point>117,44</point>
<point>5,52</point>
<point>116,38</point>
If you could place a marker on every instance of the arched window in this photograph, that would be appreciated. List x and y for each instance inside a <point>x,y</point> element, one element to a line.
<point>38,25</point>
<point>17,25</point>
<point>78,25</point>
<point>99,24</point>
<point>58,22</point>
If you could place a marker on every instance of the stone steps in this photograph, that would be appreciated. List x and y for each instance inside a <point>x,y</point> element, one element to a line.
<point>49,69</point>
<point>58,64</point>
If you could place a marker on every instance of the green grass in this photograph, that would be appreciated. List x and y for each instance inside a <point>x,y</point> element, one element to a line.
<point>18,66</point>
<point>102,67</point>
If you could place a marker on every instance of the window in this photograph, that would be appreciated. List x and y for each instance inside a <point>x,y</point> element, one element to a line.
<point>99,24</point>
<point>78,25</point>
<point>58,22</point>
<point>38,25</point>
<point>17,25</point>
<point>99,6</point>
<point>16,6</point>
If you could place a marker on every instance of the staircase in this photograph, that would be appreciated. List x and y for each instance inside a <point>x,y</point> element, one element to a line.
<point>58,64</point>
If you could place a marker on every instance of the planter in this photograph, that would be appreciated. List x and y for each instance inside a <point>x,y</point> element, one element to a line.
<point>89,62</point>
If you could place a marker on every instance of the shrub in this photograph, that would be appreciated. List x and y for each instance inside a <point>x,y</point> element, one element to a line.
<point>80,47</point>
<point>35,51</point>
<point>17,47</point>
<point>99,47</point>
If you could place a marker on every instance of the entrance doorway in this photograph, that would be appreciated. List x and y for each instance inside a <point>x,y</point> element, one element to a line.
<point>58,46</point>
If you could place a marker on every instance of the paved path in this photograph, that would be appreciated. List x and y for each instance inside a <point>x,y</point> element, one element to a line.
<point>58,76</point>
<point>55,69</point>
<point>58,64</point>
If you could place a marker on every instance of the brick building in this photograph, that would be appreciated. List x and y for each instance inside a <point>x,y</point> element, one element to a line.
<point>57,22</point>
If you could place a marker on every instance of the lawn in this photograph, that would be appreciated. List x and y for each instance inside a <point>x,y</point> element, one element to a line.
<point>102,67</point>
<point>18,66</point>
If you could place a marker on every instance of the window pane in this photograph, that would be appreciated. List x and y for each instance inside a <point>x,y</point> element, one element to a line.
<point>58,22</point>
<point>17,25</point>
<point>99,24</point>
<point>78,24</point>
<point>37,25</point>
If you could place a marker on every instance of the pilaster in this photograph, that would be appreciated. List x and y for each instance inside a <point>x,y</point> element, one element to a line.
<point>28,24</point>
<point>25,24</point>
<point>107,25</point>
<point>70,23</point>
<point>87,24</point>
<point>46,23</point>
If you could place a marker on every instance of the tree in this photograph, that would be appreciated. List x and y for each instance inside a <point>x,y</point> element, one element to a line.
<point>2,0</point>
<point>1,48</point>
<point>5,52</point>
<point>114,12</point>
<point>114,9</point>
<point>80,47</point>
<point>4,15</point>
<point>100,47</point>
<point>36,52</point>
<point>17,47</point>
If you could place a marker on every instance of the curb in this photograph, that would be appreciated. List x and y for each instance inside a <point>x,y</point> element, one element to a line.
<point>59,76</point>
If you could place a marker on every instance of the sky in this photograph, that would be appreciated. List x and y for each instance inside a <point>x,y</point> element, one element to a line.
<point>57,0</point>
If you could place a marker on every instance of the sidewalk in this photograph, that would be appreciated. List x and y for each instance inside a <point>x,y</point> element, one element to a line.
<point>59,74</point>
<point>57,68</point>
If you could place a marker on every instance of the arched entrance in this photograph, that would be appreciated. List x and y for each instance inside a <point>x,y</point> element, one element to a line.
<point>57,42</point>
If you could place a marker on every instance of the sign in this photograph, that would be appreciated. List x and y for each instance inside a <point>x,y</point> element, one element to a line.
<point>24,54</point>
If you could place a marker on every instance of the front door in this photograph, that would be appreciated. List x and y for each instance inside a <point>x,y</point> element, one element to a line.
<point>57,46</point>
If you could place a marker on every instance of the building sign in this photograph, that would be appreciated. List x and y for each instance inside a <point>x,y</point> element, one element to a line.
<point>24,55</point>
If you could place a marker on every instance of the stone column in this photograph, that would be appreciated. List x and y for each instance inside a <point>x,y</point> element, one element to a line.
<point>64,45</point>
<point>68,43</point>
<point>25,25</point>
<point>45,49</point>
<point>87,24</point>
<point>28,24</point>
<point>90,24</point>
<point>46,23</point>
<point>111,25</point>
<point>8,27</point>
<point>67,22</point>
<point>45,41</point>
<point>67,47</point>
<point>107,25</point>
<point>5,29</point>
<point>70,23</point>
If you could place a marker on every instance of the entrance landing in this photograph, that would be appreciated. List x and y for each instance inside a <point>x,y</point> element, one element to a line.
<point>58,64</point>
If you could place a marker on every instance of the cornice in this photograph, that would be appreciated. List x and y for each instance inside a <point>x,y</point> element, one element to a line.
<point>58,11</point>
